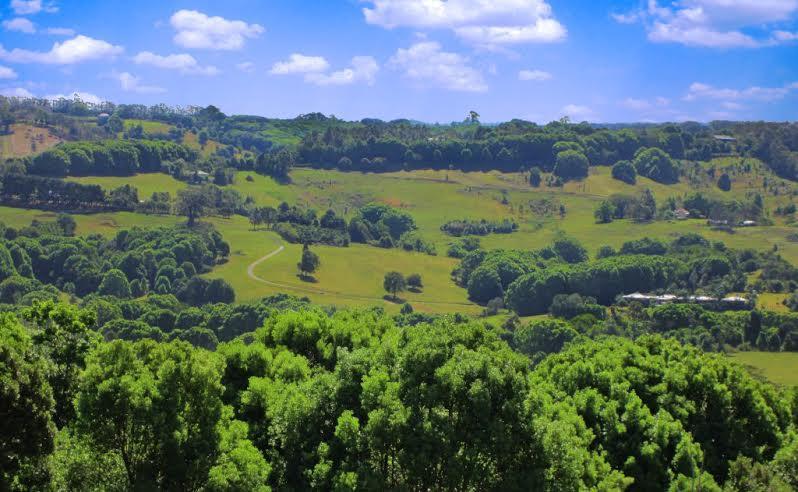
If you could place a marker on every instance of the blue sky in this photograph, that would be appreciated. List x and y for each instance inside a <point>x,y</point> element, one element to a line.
<point>431,60</point>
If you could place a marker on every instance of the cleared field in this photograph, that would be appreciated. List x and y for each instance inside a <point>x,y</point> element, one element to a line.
<point>772,301</point>
<point>777,367</point>
<point>354,275</point>
<point>26,140</point>
<point>147,184</point>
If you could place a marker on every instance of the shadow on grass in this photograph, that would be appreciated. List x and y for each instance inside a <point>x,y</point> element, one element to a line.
<point>394,299</point>
<point>307,278</point>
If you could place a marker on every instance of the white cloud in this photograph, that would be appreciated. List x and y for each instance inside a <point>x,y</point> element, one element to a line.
<point>76,50</point>
<point>16,92</point>
<point>578,113</point>
<point>60,31</point>
<point>488,23</point>
<point>198,30</point>
<point>699,90</point>
<point>427,65</point>
<point>536,75</point>
<point>84,96</point>
<point>7,73</point>
<point>131,83</point>
<point>25,7</point>
<point>246,67</point>
<point>731,105</point>
<point>19,24</point>
<point>299,63</point>
<point>645,104</point>
<point>715,23</point>
<point>183,62</point>
<point>362,69</point>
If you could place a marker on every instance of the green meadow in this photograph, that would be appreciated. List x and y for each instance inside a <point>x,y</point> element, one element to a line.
<point>776,367</point>
<point>353,275</point>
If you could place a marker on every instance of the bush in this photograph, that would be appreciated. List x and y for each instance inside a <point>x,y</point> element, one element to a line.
<point>571,164</point>
<point>624,171</point>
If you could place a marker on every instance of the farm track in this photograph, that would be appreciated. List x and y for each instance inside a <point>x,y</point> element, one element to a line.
<point>281,285</point>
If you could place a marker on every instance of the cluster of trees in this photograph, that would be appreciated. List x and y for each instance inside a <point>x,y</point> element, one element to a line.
<point>642,208</point>
<point>482,227</point>
<point>396,282</point>
<point>107,158</point>
<point>529,281</point>
<point>354,400</point>
<point>37,259</point>
<point>387,227</point>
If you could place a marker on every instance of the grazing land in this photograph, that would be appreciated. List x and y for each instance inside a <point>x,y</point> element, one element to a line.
<point>778,368</point>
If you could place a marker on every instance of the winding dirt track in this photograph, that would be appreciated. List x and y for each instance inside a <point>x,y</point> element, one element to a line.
<point>251,274</point>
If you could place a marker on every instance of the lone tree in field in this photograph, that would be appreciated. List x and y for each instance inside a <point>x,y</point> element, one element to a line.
<point>193,203</point>
<point>394,283</point>
<point>309,262</point>
<point>414,281</point>
<point>724,182</point>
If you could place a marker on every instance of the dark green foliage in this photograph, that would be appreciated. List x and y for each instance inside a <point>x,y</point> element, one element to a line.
<point>26,401</point>
<point>656,164</point>
<point>482,227</point>
<point>571,164</point>
<point>624,171</point>
<point>724,182</point>
<point>394,282</point>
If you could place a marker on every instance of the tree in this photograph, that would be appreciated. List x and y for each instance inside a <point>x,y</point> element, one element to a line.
<point>570,250</point>
<point>394,283</point>
<point>309,262</point>
<point>624,171</point>
<point>66,335</point>
<point>218,290</point>
<point>605,212</point>
<point>158,406</point>
<point>571,164</point>
<point>534,177</point>
<point>724,182</point>
<point>414,281</point>
<point>656,164</point>
<point>645,209</point>
<point>26,401</point>
<point>115,284</point>
<point>192,202</point>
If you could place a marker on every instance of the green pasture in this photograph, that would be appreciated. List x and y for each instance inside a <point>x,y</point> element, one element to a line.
<point>777,367</point>
<point>353,275</point>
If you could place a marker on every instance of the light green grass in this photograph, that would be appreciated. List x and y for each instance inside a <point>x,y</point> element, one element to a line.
<point>777,367</point>
<point>148,126</point>
<point>354,275</point>
<point>147,184</point>
<point>772,302</point>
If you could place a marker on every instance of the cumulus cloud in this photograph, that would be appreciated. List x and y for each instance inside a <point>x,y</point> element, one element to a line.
<point>716,23</point>
<point>198,30</point>
<point>16,92</point>
<point>19,24</point>
<point>488,23</point>
<point>25,7</point>
<point>362,69</point>
<point>427,65</point>
<point>535,75</point>
<point>84,96</point>
<point>299,63</point>
<point>130,83</point>
<point>644,104</point>
<point>183,63</point>
<point>246,67</point>
<point>577,112</point>
<point>76,50</point>
<point>7,73</point>
<point>700,90</point>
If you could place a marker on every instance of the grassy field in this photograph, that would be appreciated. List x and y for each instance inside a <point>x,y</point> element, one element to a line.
<point>26,139</point>
<point>354,275</point>
<point>145,183</point>
<point>777,367</point>
<point>189,139</point>
<point>772,302</point>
